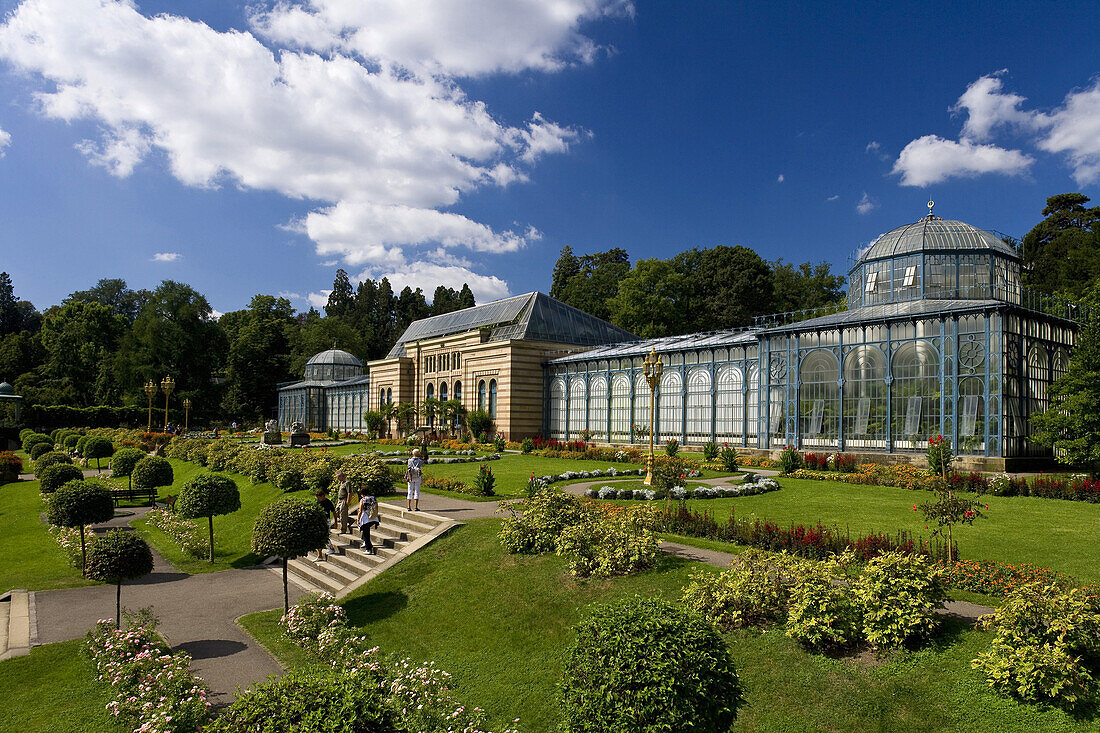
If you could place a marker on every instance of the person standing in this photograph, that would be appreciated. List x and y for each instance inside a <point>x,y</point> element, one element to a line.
<point>330,511</point>
<point>343,498</point>
<point>413,474</point>
<point>368,519</point>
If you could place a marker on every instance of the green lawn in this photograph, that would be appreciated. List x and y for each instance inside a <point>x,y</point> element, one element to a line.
<point>1049,532</point>
<point>499,623</point>
<point>53,690</point>
<point>31,557</point>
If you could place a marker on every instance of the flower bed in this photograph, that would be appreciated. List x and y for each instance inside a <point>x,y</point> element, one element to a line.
<point>184,532</point>
<point>999,578</point>
<point>813,541</point>
<point>682,493</point>
<point>153,690</point>
<point>69,539</point>
<point>11,466</point>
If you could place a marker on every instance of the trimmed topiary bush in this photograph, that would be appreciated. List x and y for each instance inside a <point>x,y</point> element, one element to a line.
<point>34,439</point>
<point>70,441</point>
<point>118,556</point>
<point>80,445</point>
<point>642,665</point>
<point>151,472</point>
<point>39,449</point>
<point>49,459</point>
<point>207,495</point>
<point>124,460</point>
<point>77,504</point>
<point>288,528</point>
<point>97,448</point>
<point>53,477</point>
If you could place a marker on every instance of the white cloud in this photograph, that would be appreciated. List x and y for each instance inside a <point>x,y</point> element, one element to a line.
<point>428,277</point>
<point>987,107</point>
<point>166,257</point>
<point>780,179</point>
<point>5,140</point>
<point>291,296</point>
<point>442,36</point>
<point>933,159</point>
<point>215,314</point>
<point>875,148</point>
<point>1074,130</point>
<point>374,129</point>
<point>866,204</point>
<point>834,197</point>
<point>318,300</point>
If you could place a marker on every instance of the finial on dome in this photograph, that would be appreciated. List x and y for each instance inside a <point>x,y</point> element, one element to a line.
<point>930,204</point>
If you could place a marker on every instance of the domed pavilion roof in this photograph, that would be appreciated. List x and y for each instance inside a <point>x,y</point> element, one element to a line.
<point>6,389</point>
<point>334,356</point>
<point>932,234</point>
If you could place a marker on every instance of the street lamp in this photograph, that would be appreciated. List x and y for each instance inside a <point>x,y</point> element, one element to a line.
<point>167,385</point>
<point>186,414</point>
<point>651,368</point>
<point>150,392</point>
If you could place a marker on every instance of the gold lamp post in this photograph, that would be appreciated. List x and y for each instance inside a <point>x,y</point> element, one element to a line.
<point>167,385</point>
<point>651,368</point>
<point>186,414</point>
<point>150,390</point>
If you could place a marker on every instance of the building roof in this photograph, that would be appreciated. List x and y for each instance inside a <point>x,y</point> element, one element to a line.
<point>531,317</point>
<point>326,383</point>
<point>6,389</point>
<point>685,342</point>
<point>932,234</point>
<point>886,311</point>
<point>334,356</point>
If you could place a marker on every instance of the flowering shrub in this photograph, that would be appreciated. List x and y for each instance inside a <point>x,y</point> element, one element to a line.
<point>816,461</point>
<point>543,517</point>
<point>728,457</point>
<point>1046,645</point>
<point>11,466</point>
<point>153,690</point>
<point>484,482</point>
<point>184,532</point>
<point>790,460</point>
<point>311,615</point>
<point>897,596</point>
<point>69,539</point>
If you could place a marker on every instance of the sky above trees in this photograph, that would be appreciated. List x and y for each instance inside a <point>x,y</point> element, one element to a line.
<point>256,147</point>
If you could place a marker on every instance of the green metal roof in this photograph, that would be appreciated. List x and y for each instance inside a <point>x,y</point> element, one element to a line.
<point>934,234</point>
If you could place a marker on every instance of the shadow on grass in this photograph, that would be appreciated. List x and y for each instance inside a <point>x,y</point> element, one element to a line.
<point>375,607</point>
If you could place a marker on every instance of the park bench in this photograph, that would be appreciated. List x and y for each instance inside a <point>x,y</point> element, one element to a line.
<point>132,494</point>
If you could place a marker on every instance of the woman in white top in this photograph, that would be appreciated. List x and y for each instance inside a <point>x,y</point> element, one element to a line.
<point>412,478</point>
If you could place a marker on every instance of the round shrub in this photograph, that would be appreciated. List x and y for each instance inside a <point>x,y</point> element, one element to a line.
<point>80,444</point>
<point>207,495</point>
<point>70,441</point>
<point>151,472</point>
<point>97,448</point>
<point>118,556</point>
<point>50,458</point>
<point>290,479</point>
<point>324,701</point>
<point>38,449</point>
<point>34,439</point>
<point>370,474</point>
<point>289,528</point>
<point>77,503</point>
<point>53,477</point>
<point>644,665</point>
<point>24,433</point>
<point>124,460</point>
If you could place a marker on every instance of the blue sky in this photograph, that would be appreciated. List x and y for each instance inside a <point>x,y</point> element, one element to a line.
<point>256,147</point>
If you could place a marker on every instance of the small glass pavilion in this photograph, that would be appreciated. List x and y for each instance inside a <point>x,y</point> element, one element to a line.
<point>937,338</point>
<point>332,395</point>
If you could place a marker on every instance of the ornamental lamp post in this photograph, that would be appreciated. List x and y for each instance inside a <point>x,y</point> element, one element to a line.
<point>186,414</point>
<point>651,368</point>
<point>150,390</point>
<point>167,385</point>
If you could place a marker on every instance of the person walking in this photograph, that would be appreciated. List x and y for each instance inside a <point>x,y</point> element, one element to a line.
<point>343,499</point>
<point>413,474</point>
<point>368,519</point>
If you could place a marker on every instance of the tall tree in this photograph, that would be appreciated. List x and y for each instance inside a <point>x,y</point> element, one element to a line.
<point>805,286</point>
<point>565,269</point>
<point>79,340</point>
<point>724,286</point>
<point>1060,252</point>
<point>341,301</point>
<point>317,334</point>
<point>15,315</point>
<point>444,300</point>
<point>596,281</point>
<point>410,307</point>
<point>259,356</point>
<point>466,297</point>
<point>650,300</point>
<point>113,293</point>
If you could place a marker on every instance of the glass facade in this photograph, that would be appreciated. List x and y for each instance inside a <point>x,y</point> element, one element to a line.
<point>333,396</point>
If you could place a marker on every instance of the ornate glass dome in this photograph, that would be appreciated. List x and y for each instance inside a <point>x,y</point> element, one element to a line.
<point>935,259</point>
<point>332,366</point>
<point>6,389</point>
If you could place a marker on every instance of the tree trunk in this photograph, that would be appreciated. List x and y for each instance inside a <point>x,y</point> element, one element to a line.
<point>950,545</point>
<point>83,552</point>
<point>211,518</point>
<point>118,605</point>
<point>286,595</point>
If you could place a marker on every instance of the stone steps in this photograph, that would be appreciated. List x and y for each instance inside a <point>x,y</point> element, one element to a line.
<point>401,533</point>
<point>15,624</point>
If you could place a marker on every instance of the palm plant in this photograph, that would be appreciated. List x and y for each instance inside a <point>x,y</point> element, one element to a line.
<point>405,413</point>
<point>389,412</point>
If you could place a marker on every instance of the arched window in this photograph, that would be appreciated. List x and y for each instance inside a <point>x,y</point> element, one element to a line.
<point>819,400</point>
<point>442,399</point>
<point>752,404</point>
<point>557,408</point>
<point>597,408</point>
<point>670,407</point>
<point>458,391</point>
<point>972,416</point>
<point>865,398</point>
<point>699,408</point>
<point>916,395</point>
<point>389,396</point>
<point>729,407</point>
<point>493,398</point>
<point>576,407</point>
<point>381,397</point>
<point>620,408</point>
<point>1038,378</point>
<point>641,409</point>
<point>430,394</point>
<point>481,395</point>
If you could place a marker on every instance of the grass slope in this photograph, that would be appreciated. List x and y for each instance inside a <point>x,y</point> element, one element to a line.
<point>31,557</point>
<point>53,689</point>
<point>500,623</point>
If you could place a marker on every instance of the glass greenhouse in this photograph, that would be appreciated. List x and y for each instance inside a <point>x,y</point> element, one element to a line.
<point>937,338</point>
<point>332,396</point>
